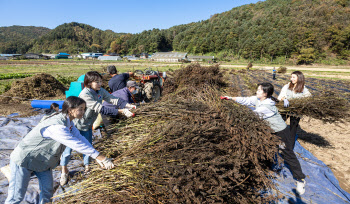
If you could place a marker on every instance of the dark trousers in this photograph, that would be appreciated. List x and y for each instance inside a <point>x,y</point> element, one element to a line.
<point>274,76</point>
<point>294,123</point>
<point>288,154</point>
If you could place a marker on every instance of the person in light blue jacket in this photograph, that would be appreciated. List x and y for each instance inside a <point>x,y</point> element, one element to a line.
<point>40,150</point>
<point>264,104</point>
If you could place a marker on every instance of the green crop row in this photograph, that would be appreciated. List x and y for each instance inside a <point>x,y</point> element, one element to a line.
<point>14,76</point>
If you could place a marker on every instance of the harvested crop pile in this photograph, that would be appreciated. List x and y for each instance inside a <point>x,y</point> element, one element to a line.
<point>328,107</point>
<point>191,148</point>
<point>282,70</point>
<point>39,86</point>
<point>189,80</point>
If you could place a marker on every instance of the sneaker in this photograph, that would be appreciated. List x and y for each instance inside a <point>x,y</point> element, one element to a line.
<point>64,179</point>
<point>301,186</point>
<point>87,169</point>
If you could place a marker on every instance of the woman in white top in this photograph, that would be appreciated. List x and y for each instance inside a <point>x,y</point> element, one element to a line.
<point>294,89</point>
<point>40,150</point>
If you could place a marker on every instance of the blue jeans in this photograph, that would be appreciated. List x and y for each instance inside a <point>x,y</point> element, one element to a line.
<point>68,151</point>
<point>20,178</point>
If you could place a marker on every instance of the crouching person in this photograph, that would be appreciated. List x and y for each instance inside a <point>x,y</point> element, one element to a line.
<point>126,94</point>
<point>264,104</point>
<point>40,150</point>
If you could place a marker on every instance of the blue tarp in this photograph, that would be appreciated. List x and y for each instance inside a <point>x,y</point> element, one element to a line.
<point>321,185</point>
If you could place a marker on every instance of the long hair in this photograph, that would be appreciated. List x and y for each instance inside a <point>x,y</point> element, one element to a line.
<point>299,88</point>
<point>268,89</point>
<point>91,77</point>
<point>70,103</point>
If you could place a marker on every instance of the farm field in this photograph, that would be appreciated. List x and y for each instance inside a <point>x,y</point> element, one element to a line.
<point>328,142</point>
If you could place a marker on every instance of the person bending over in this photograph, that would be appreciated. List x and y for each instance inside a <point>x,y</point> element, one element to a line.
<point>264,104</point>
<point>93,94</point>
<point>118,81</point>
<point>40,150</point>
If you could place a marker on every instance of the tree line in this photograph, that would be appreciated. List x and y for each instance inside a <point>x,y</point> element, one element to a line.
<point>303,30</point>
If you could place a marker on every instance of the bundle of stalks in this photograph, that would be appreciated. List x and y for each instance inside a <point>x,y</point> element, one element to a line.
<point>328,107</point>
<point>191,148</point>
<point>282,70</point>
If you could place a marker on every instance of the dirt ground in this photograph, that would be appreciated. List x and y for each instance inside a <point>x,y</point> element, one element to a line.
<point>330,143</point>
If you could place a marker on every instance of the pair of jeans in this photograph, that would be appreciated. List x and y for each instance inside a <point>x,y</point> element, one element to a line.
<point>19,181</point>
<point>65,158</point>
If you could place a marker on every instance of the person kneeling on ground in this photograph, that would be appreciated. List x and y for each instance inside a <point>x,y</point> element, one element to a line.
<point>40,150</point>
<point>93,94</point>
<point>264,104</point>
<point>127,95</point>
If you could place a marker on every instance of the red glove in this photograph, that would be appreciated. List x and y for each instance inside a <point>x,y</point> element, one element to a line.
<point>223,98</point>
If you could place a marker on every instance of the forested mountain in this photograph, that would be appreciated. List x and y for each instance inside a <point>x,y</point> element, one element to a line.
<point>302,29</point>
<point>74,37</point>
<point>290,29</point>
<point>15,39</point>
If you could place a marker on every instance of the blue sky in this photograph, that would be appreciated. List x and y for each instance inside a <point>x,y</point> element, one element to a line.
<point>120,16</point>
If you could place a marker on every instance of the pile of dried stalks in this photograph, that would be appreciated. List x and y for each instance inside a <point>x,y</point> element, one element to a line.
<point>190,147</point>
<point>39,86</point>
<point>328,107</point>
<point>282,70</point>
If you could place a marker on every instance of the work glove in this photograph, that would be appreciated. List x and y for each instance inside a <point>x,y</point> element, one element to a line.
<point>106,163</point>
<point>285,103</point>
<point>128,114</point>
<point>225,98</point>
<point>130,106</point>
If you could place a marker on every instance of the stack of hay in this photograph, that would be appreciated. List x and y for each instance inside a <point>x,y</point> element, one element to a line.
<point>190,147</point>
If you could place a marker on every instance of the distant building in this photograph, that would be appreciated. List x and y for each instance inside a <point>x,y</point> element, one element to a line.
<point>32,56</point>
<point>49,56</point>
<point>105,58</point>
<point>193,58</point>
<point>10,55</point>
<point>132,57</point>
<point>169,56</point>
<point>62,55</point>
<point>91,55</point>
<point>3,58</point>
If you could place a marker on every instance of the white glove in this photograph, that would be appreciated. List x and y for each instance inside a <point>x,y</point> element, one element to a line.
<point>106,163</point>
<point>130,106</point>
<point>127,113</point>
<point>229,98</point>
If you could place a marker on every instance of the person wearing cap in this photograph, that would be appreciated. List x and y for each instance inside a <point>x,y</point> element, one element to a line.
<point>125,94</point>
<point>118,81</point>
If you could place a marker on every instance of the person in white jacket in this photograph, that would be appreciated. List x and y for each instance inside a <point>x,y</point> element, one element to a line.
<point>40,150</point>
<point>93,94</point>
<point>264,104</point>
<point>294,89</point>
